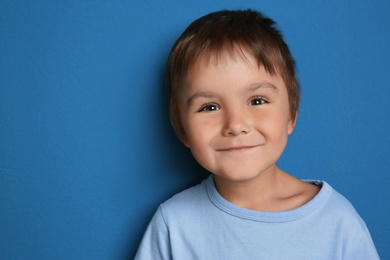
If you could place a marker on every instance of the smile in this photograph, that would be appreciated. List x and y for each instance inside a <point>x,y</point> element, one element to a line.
<point>238,148</point>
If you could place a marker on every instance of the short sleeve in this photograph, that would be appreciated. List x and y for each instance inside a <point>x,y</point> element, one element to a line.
<point>155,243</point>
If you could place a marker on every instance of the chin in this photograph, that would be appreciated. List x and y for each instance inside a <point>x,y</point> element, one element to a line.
<point>234,177</point>
<point>244,174</point>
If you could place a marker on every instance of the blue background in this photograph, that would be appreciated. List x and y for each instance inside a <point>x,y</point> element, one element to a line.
<point>86,148</point>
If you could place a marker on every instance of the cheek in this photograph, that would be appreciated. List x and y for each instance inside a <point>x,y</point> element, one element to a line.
<point>275,126</point>
<point>198,137</point>
<point>200,127</point>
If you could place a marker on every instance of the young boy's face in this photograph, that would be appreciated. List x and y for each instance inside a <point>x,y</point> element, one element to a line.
<point>235,117</point>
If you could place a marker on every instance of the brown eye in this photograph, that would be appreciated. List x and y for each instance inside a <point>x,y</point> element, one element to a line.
<point>209,107</point>
<point>257,101</point>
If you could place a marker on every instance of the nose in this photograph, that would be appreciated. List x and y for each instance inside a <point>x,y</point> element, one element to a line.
<point>236,123</point>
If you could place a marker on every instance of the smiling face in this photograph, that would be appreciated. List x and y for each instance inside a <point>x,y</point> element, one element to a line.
<point>235,116</point>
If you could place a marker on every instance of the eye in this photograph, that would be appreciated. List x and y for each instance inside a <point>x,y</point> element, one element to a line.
<point>209,107</point>
<point>255,101</point>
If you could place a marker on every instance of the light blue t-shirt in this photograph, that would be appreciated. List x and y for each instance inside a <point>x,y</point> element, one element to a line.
<point>199,224</point>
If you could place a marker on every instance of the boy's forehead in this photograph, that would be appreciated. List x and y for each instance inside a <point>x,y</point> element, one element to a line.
<point>204,73</point>
<point>221,58</point>
<point>217,60</point>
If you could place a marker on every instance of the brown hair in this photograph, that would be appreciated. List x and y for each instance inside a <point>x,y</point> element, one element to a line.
<point>227,31</point>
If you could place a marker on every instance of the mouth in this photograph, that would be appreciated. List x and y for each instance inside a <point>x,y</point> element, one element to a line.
<point>238,148</point>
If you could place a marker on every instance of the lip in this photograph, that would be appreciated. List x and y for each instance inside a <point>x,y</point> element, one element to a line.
<point>238,148</point>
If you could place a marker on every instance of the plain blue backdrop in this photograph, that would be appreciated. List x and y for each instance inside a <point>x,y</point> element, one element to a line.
<point>86,148</point>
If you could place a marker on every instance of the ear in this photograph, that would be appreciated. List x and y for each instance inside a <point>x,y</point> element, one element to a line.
<point>183,139</point>
<point>180,133</point>
<point>291,124</point>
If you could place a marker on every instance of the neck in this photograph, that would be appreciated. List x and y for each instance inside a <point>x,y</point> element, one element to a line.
<point>255,193</point>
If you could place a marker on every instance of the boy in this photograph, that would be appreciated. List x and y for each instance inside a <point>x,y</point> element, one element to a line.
<point>233,98</point>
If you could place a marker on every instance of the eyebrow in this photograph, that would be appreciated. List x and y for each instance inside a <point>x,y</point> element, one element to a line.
<point>251,87</point>
<point>256,86</point>
<point>199,95</point>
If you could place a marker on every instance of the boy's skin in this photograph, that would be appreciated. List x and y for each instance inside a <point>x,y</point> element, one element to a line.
<point>236,120</point>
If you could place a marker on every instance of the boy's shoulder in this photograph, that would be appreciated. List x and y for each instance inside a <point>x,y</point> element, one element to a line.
<point>333,200</point>
<point>187,200</point>
<point>337,211</point>
<point>338,202</point>
<point>340,205</point>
